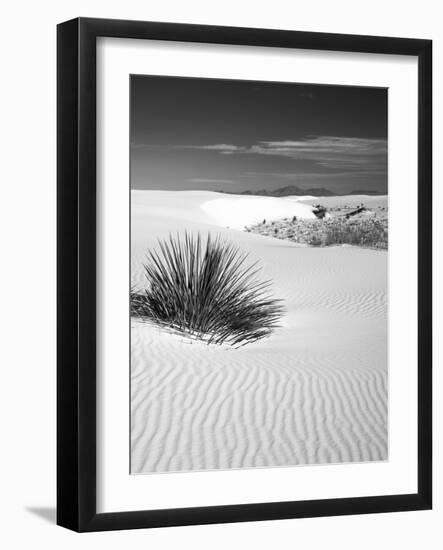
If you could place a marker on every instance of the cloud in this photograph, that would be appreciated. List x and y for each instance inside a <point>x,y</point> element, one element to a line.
<point>329,144</point>
<point>223,147</point>
<point>329,151</point>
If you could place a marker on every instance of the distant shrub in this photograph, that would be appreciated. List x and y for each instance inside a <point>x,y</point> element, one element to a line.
<point>358,231</point>
<point>371,233</point>
<point>314,240</point>
<point>204,288</point>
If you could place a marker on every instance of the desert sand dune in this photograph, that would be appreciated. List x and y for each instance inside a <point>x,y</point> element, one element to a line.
<point>236,211</point>
<point>314,392</point>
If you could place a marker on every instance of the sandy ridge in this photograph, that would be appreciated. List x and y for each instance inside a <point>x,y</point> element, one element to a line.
<point>315,392</point>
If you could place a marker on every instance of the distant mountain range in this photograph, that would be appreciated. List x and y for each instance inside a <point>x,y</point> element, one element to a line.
<point>294,190</point>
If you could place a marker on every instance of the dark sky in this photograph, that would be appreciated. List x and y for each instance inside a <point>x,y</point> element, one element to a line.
<point>192,133</point>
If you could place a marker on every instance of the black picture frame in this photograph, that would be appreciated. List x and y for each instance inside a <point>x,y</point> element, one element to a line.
<point>76,265</point>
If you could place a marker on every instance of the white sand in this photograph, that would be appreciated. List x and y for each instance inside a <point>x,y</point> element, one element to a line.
<point>237,211</point>
<point>313,392</point>
<point>301,198</point>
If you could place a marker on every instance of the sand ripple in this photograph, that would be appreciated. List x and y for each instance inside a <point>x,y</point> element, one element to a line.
<point>314,392</point>
<point>213,409</point>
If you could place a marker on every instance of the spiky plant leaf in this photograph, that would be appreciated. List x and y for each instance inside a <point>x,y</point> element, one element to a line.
<point>205,288</point>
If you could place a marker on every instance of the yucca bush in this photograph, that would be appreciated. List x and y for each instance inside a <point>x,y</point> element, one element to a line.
<point>363,232</point>
<point>205,288</point>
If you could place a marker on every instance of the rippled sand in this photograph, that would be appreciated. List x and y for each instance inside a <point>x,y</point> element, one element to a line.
<point>314,392</point>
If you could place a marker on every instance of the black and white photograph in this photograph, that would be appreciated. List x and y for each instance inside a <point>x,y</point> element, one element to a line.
<point>259,257</point>
<point>224,218</point>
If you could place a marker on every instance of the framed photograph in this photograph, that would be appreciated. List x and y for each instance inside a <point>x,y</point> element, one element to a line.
<point>244,274</point>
